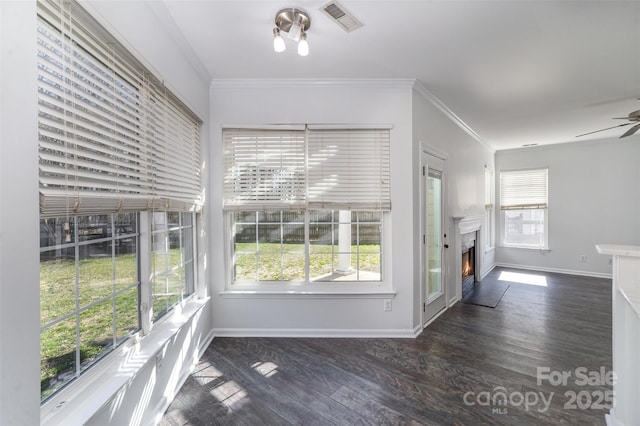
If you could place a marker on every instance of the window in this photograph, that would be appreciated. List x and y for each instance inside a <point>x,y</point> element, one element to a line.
<point>172,272</point>
<point>89,290</point>
<point>489,202</point>
<point>523,202</point>
<point>119,161</point>
<point>306,206</point>
<point>343,245</point>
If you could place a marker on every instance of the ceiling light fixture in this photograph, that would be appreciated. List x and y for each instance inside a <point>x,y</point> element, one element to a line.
<point>295,23</point>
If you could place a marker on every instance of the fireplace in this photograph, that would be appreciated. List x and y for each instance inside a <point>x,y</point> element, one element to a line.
<point>468,259</point>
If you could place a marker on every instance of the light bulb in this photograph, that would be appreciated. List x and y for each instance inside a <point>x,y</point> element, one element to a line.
<point>278,41</point>
<point>303,45</point>
<point>295,31</point>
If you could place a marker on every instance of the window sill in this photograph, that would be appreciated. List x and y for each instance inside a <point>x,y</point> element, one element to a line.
<point>295,294</point>
<point>540,249</point>
<point>83,398</point>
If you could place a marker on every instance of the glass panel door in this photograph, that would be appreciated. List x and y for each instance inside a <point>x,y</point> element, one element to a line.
<point>433,195</point>
<point>434,233</point>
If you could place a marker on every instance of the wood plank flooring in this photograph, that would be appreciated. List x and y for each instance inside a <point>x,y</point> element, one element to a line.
<point>452,374</point>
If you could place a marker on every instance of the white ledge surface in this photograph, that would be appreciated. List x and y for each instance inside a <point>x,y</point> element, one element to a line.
<point>253,294</point>
<point>618,250</point>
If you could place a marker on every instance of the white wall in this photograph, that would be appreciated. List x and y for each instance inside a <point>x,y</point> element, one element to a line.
<point>19,239</point>
<point>594,198</point>
<point>466,160</point>
<point>415,120</point>
<point>19,255</point>
<point>290,102</point>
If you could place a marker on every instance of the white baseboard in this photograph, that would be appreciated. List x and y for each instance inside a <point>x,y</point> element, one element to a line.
<point>205,343</point>
<point>320,333</point>
<point>555,270</point>
<point>435,317</point>
<point>486,271</point>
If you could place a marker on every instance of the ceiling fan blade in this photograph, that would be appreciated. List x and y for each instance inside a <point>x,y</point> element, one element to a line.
<point>602,130</point>
<point>631,131</point>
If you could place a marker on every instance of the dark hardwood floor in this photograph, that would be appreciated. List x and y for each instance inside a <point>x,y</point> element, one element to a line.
<point>458,371</point>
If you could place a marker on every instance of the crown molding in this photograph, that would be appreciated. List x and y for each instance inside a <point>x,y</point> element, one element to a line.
<point>241,83</point>
<point>435,101</point>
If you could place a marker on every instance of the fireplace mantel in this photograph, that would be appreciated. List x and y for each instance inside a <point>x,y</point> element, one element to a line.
<point>465,225</point>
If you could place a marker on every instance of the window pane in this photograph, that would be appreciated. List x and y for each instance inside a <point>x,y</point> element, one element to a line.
<point>269,267</point>
<point>99,263</point>
<point>96,332</point>
<point>246,217</point>
<point>126,224</point>
<point>172,260</point>
<point>524,227</point>
<point>280,247</point>
<point>322,238</point>
<point>57,284</point>
<point>160,296</point>
<point>57,231</point>
<point>173,219</point>
<point>321,216</point>
<point>94,227</point>
<point>369,235</point>
<point>269,216</point>
<point>126,265</point>
<point>293,238</point>
<point>159,221</point>
<point>127,320</point>
<point>369,267</point>
<point>321,267</point>
<point>269,237</point>
<point>245,234</point>
<point>293,267</point>
<point>175,286</point>
<point>95,279</point>
<point>245,267</point>
<point>57,356</point>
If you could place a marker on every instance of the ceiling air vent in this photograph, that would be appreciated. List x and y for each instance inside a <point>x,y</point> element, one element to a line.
<point>341,16</point>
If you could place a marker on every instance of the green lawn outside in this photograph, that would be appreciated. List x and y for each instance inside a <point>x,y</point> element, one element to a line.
<point>284,262</point>
<point>98,278</point>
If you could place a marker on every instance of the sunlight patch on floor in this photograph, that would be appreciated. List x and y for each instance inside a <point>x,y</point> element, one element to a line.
<point>267,369</point>
<point>516,277</point>
<point>229,393</point>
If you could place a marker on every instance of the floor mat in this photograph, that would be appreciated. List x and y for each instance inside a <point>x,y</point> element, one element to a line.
<point>487,293</point>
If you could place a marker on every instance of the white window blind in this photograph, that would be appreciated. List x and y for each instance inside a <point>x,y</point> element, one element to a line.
<point>111,137</point>
<point>523,189</point>
<point>320,169</point>
<point>264,169</point>
<point>349,169</point>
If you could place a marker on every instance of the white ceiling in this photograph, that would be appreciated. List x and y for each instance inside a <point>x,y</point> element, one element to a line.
<point>516,72</point>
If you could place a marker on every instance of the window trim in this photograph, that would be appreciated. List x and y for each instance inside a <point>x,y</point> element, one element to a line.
<point>537,200</point>
<point>490,204</point>
<point>146,325</point>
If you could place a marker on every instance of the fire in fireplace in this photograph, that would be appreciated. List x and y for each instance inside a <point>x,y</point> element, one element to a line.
<point>468,261</point>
